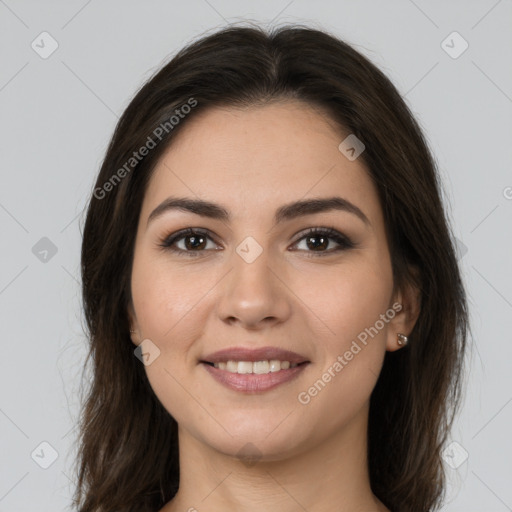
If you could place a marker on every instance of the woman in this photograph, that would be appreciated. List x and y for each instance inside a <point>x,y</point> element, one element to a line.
<point>276,314</point>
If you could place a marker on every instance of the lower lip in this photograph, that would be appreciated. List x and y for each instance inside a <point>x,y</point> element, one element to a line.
<point>252,382</point>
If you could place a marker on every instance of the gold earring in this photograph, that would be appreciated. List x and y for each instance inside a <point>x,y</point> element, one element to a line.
<point>402,339</point>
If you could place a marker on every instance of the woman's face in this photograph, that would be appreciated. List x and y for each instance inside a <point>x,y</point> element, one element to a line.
<point>250,280</point>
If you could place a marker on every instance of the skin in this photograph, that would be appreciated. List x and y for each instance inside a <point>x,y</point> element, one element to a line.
<point>252,161</point>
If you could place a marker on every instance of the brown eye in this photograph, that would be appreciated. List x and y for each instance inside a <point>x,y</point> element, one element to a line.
<point>194,241</point>
<point>188,241</point>
<point>318,240</point>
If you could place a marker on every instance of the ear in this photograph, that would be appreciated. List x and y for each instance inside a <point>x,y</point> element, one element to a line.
<point>133,325</point>
<point>407,305</point>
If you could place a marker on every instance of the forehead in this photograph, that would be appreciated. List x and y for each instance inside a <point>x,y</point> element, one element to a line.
<point>260,156</point>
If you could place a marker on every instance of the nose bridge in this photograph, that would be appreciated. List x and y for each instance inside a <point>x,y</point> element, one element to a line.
<point>252,292</point>
<point>251,265</point>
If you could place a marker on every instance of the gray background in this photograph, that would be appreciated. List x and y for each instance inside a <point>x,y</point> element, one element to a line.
<point>58,114</point>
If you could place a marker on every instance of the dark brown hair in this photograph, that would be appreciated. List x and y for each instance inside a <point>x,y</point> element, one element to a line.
<point>128,452</point>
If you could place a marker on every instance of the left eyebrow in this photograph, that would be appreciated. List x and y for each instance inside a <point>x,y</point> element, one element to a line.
<point>311,206</point>
<point>286,212</point>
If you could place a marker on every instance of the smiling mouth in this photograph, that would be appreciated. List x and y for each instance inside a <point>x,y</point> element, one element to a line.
<point>254,377</point>
<point>257,367</point>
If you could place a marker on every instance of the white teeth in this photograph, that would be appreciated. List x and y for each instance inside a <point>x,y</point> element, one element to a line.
<point>261,367</point>
<point>258,367</point>
<point>231,366</point>
<point>244,367</point>
<point>275,365</point>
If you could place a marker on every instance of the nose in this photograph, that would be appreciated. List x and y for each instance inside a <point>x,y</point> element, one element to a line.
<point>254,295</point>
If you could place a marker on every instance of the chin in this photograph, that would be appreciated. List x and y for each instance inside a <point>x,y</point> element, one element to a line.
<point>256,437</point>
<point>249,449</point>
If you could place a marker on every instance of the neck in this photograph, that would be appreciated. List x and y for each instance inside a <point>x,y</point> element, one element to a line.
<point>329,476</point>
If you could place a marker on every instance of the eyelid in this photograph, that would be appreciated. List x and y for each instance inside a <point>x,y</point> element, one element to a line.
<point>344,242</point>
<point>167,241</point>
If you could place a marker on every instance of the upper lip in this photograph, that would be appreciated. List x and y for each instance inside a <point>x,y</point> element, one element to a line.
<point>253,355</point>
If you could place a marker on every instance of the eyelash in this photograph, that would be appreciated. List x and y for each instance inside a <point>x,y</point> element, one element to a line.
<point>344,242</point>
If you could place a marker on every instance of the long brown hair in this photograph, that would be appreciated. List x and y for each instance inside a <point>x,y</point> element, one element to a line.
<point>128,447</point>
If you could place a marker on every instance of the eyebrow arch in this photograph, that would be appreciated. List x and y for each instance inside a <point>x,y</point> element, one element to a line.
<point>284,213</point>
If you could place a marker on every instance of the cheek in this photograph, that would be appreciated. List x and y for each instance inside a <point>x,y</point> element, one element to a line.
<point>350,361</point>
<point>347,298</point>
<point>354,347</point>
<point>167,304</point>
<point>165,298</point>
